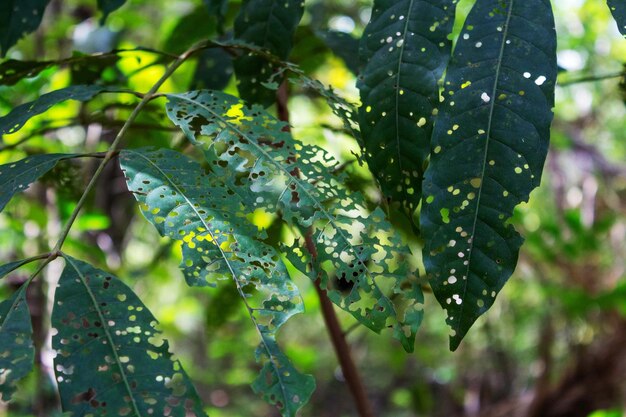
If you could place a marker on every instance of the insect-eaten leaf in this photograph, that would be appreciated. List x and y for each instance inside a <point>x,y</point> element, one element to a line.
<point>261,162</point>
<point>110,357</point>
<point>218,243</point>
<point>489,146</point>
<point>17,117</point>
<point>16,347</point>
<point>18,18</point>
<point>404,51</point>
<point>269,24</point>
<point>16,176</point>
<point>618,9</point>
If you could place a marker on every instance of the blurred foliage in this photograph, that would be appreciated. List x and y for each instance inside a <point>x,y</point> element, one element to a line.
<point>553,343</point>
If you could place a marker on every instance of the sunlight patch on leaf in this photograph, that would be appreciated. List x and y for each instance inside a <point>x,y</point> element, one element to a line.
<point>219,243</point>
<point>262,163</point>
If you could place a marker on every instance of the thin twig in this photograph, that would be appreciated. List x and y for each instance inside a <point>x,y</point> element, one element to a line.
<point>592,78</point>
<point>120,135</point>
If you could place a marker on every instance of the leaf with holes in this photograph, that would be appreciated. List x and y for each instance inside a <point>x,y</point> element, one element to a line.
<point>16,347</point>
<point>259,161</point>
<point>489,147</point>
<point>618,9</point>
<point>17,18</point>
<point>219,242</point>
<point>269,24</point>
<point>16,118</point>
<point>404,50</point>
<point>110,357</point>
<point>16,176</point>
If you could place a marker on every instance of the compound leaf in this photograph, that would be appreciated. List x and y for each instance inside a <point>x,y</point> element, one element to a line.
<point>16,347</point>
<point>269,24</point>
<point>16,118</point>
<point>262,163</point>
<point>489,146</point>
<point>404,50</point>
<point>618,9</point>
<point>17,176</point>
<point>111,359</point>
<point>17,18</point>
<point>218,242</point>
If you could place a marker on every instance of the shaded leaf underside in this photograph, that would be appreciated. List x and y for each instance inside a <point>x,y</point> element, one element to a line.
<point>488,150</point>
<point>269,170</point>
<point>220,243</point>
<point>405,49</point>
<point>111,359</point>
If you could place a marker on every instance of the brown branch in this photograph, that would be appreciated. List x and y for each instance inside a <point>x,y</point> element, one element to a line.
<point>342,349</point>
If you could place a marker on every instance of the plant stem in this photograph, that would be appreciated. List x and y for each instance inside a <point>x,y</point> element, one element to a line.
<point>120,135</point>
<point>348,368</point>
<point>337,337</point>
<point>592,78</point>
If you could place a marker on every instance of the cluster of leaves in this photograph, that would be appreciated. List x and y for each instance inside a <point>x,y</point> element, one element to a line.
<point>455,157</point>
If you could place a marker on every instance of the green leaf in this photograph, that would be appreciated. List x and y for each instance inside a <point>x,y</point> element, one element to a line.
<point>218,242</point>
<point>489,147</point>
<point>344,46</point>
<point>12,266</point>
<point>404,50</point>
<point>14,121</point>
<point>262,163</point>
<point>17,18</point>
<point>215,67</point>
<point>16,347</point>
<point>111,358</point>
<point>109,6</point>
<point>17,176</point>
<point>269,24</point>
<point>618,9</point>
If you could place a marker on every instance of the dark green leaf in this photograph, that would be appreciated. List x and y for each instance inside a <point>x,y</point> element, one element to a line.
<point>489,147</point>
<point>344,45</point>
<point>189,29</point>
<point>111,358</point>
<point>109,6</point>
<point>215,67</point>
<point>17,176</point>
<point>404,50</point>
<point>16,347</point>
<point>14,121</point>
<point>263,164</point>
<point>269,24</point>
<point>10,267</point>
<point>218,9</point>
<point>17,18</point>
<point>618,9</point>
<point>219,242</point>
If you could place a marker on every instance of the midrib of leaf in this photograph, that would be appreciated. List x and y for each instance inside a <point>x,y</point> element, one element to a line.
<point>106,332</point>
<point>397,92</point>
<point>492,106</point>
<point>329,216</point>
<point>230,268</point>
